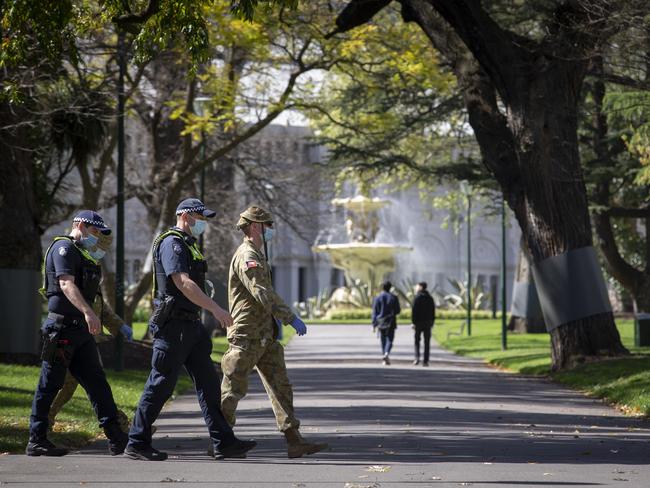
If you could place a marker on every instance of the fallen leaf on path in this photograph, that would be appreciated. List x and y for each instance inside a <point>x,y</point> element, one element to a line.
<point>173,480</point>
<point>436,478</point>
<point>614,451</point>
<point>621,479</point>
<point>362,476</point>
<point>548,474</point>
<point>378,469</point>
<point>359,485</point>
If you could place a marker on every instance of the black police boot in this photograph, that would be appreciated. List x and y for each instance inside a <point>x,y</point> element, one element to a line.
<point>117,439</point>
<point>44,447</point>
<point>237,449</point>
<point>146,454</point>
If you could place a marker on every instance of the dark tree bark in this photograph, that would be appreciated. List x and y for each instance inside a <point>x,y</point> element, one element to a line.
<point>531,147</point>
<point>20,248</point>
<point>530,319</point>
<point>607,148</point>
<point>19,220</point>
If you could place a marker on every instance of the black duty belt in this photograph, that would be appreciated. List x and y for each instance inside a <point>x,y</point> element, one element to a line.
<point>184,315</point>
<point>67,321</point>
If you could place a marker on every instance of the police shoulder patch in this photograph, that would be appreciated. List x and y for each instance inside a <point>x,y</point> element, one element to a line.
<point>177,248</point>
<point>63,250</point>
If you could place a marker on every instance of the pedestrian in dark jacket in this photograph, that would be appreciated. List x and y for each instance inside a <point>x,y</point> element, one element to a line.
<point>423,315</point>
<point>385,308</point>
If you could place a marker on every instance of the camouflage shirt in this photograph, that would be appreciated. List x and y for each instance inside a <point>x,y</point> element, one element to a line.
<point>252,300</point>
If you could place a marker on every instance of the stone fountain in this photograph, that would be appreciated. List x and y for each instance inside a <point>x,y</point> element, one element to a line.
<point>361,258</point>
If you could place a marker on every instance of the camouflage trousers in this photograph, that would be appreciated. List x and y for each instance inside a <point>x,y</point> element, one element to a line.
<point>242,357</point>
<point>65,394</point>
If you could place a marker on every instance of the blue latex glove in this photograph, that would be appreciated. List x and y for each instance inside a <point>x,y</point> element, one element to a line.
<point>127,332</point>
<point>299,325</point>
<point>278,324</point>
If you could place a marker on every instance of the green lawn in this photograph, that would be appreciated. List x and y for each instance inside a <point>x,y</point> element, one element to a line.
<point>76,423</point>
<point>624,382</point>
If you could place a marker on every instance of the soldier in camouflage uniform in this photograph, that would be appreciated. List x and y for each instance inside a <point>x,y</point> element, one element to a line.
<point>258,313</point>
<point>115,325</point>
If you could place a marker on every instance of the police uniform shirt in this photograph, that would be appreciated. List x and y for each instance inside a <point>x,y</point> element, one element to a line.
<point>174,256</point>
<point>65,259</point>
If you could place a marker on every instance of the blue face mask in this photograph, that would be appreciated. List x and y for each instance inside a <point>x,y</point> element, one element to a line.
<point>268,233</point>
<point>198,228</point>
<point>97,254</point>
<point>88,241</point>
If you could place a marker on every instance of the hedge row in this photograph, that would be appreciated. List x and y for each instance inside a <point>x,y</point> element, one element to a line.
<point>365,313</point>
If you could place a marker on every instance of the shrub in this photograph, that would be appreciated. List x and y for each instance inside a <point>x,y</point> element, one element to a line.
<point>365,314</point>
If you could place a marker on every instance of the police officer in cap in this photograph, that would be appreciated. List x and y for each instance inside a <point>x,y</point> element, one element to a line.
<point>71,281</point>
<point>180,339</point>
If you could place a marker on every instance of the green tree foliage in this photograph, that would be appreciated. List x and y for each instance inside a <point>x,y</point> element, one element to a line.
<point>394,109</point>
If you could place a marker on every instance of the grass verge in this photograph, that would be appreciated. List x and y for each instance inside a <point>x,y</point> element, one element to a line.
<point>76,423</point>
<point>624,382</point>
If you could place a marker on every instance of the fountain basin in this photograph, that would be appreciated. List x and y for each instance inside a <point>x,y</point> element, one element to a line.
<point>361,204</point>
<point>367,262</point>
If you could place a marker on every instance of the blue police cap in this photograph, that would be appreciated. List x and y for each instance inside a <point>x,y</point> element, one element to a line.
<point>90,217</point>
<point>194,205</point>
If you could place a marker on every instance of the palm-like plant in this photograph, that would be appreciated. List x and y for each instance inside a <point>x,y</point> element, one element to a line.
<point>458,300</point>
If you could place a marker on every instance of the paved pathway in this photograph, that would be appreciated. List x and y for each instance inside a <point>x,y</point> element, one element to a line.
<point>456,423</point>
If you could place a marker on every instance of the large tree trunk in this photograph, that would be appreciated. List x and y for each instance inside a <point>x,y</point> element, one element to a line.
<point>20,249</point>
<point>553,214</point>
<point>526,312</point>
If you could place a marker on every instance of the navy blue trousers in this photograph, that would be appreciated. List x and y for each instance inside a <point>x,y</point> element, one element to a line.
<point>86,367</point>
<point>181,343</point>
<point>387,336</point>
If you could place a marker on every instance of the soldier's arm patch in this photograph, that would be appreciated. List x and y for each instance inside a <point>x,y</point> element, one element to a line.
<point>253,264</point>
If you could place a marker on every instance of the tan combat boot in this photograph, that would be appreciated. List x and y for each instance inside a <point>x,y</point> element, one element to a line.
<point>297,446</point>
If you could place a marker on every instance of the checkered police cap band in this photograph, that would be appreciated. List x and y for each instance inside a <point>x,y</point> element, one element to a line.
<point>198,209</point>
<point>96,223</point>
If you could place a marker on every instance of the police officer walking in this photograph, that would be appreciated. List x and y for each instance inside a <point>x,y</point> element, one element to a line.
<point>71,281</point>
<point>111,321</point>
<point>180,339</point>
<point>258,313</point>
